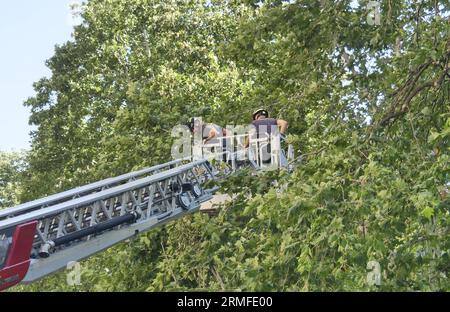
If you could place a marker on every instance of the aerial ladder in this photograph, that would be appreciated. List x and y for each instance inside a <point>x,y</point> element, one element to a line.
<point>41,237</point>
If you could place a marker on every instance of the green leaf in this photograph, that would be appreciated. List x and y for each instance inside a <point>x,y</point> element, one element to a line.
<point>428,212</point>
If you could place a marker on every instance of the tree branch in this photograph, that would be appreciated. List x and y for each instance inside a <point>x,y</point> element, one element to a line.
<point>409,90</point>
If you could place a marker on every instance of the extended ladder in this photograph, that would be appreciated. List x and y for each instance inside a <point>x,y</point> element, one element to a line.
<point>43,236</point>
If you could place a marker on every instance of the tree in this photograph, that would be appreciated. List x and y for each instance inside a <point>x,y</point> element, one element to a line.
<point>11,168</point>
<point>367,106</point>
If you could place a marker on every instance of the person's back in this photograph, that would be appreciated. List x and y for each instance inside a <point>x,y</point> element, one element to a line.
<point>264,126</point>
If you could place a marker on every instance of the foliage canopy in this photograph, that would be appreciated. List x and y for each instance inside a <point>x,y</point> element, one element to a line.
<point>368,107</point>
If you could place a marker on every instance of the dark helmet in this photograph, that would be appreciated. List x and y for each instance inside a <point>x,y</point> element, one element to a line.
<point>194,122</point>
<point>260,111</point>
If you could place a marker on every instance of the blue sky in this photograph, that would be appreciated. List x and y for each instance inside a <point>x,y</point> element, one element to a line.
<point>29,30</point>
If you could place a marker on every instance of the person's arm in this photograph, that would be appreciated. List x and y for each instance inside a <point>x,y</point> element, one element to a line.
<point>212,133</point>
<point>283,124</point>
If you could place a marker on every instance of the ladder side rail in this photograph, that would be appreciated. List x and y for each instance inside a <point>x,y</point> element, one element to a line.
<point>131,208</point>
<point>108,193</point>
<point>83,190</point>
